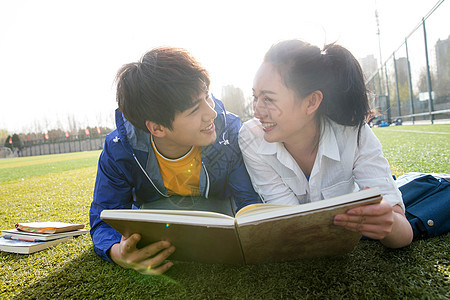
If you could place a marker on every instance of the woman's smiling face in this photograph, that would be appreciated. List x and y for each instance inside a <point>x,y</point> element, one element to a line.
<point>282,114</point>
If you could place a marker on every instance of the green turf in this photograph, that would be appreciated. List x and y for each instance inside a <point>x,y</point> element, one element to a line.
<point>25,167</point>
<point>421,148</point>
<point>71,270</point>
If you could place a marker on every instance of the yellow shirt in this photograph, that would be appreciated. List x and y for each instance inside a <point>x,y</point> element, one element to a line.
<point>181,176</point>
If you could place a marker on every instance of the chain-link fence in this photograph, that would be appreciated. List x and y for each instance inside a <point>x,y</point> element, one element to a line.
<point>414,82</point>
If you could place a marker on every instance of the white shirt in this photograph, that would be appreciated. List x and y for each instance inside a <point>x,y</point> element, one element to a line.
<point>341,166</point>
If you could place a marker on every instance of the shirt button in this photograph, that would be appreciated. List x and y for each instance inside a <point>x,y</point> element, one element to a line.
<point>430,223</point>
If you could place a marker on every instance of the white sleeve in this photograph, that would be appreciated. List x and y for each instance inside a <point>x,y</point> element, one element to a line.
<point>371,168</point>
<point>266,181</point>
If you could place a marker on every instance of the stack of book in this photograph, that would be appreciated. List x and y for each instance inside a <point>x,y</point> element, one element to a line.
<point>28,238</point>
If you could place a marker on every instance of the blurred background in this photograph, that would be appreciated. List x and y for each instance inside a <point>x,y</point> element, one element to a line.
<point>58,59</point>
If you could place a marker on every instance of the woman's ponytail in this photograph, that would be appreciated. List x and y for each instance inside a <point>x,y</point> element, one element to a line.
<point>346,101</point>
<point>334,71</point>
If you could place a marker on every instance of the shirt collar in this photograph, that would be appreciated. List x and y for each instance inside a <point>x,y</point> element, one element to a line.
<point>266,148</point>
<point>328,145</point>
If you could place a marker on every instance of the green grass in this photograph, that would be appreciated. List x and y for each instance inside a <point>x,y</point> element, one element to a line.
<point>421,148</point>
<point>25,167</point>
<point>71,270</point>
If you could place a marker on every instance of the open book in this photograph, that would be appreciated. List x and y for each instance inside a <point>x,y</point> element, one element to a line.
<point>259,233</point>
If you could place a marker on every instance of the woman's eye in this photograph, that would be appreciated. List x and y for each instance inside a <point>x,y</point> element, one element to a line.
<point>267,99</point>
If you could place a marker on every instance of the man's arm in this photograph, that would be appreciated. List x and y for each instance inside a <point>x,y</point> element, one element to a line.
<point>114,191</point>
<point>111,191</point>
<point>148,260</point>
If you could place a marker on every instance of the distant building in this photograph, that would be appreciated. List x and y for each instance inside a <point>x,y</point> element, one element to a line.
<point>442,83</point>
<point>443,58</point>
<point>369,65</point>
<point>402,70</point>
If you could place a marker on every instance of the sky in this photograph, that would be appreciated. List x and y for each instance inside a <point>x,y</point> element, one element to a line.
<point>59,58</point>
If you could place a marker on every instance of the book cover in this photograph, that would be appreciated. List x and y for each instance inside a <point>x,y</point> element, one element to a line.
<point>48,227</point>
<point>203,236</point>
<point>15,234</point>
<point>25,247</point>
<point>260,233</point>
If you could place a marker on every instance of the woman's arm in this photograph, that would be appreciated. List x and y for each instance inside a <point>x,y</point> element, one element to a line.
<point>371,168</point>
<point>385,221</point>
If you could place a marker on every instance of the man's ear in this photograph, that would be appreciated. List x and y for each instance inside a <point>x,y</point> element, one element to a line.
<point>156,129</point>
<point>314,99</point>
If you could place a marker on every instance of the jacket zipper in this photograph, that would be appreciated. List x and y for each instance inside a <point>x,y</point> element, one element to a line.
<point>207,181</point>
<point>148,177</point>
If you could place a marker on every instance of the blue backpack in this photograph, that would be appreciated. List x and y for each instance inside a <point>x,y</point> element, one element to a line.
<point>427,202</point>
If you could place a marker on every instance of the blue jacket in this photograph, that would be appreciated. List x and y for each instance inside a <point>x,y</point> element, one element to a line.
<point>128,174</point>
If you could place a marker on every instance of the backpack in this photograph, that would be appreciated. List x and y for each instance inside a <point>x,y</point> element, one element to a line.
<point>427,201</point>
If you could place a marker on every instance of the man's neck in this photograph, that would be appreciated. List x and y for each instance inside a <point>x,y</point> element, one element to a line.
<point>169,149</point>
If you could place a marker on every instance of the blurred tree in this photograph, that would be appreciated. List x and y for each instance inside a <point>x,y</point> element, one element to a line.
<point>3,134</point>
<point>56,134</point>
<point>422,85</point>
<point>16,142</point>
<point>8,143</point>
<point>234,101</point>
<point>73,126</point>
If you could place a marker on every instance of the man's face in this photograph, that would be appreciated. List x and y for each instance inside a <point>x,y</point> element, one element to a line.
<point>194,126</point>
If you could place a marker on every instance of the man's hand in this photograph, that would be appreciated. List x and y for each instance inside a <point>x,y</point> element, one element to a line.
<point>148,260</point>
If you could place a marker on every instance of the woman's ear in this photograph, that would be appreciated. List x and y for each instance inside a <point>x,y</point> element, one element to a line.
<point>314,100</point>
<point>155,129</point>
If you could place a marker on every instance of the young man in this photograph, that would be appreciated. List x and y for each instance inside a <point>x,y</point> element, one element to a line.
<point>172,138</point>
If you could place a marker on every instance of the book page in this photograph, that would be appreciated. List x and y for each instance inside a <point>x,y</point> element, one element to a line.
<point>24,247</point>
<point>48,227</point>
<point>259,213</point>
<point>170,216</point>
<point>307,235</point>
<point>300,231</point>
<point>260,207</point>
<point>198,213</point>
<point>18,235</point>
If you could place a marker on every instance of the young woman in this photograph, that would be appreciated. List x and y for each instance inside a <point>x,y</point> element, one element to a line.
<point>309,141</point>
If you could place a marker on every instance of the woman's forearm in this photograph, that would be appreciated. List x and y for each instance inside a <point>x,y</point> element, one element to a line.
<point>401,234</point>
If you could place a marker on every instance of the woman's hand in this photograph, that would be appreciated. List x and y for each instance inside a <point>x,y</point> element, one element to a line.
<point>148,260</point>
<point>380,222</point>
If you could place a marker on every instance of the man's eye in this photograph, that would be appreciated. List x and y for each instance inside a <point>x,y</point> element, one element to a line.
<point>194,110</point>
<point>268,99</point>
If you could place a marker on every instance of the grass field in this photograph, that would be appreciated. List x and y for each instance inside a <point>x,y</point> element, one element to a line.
<point>59,188</point>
